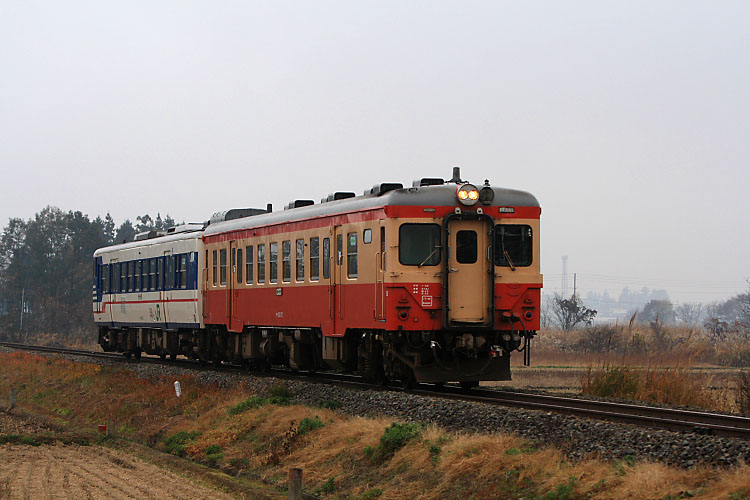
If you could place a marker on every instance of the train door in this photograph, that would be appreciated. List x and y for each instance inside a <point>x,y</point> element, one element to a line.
<point>114,286</point>
<point>337,292</point>
<point>468,271</point>
<point>97,292</point>
<point>167,282</point>
<point>380,275</point>
<point>233,309</point>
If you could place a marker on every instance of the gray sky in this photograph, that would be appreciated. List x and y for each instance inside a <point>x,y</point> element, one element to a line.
<point>629,121</point>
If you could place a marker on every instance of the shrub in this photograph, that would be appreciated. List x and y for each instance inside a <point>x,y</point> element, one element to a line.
<point>328,487</point>
<point>176,444</point>
<point>280,394</point>
<point>248,404</point>
<point>743,392</point>
<point>611,381</point>
<point>330,404</point>
<point>213,449</point>
<point>395,437</point>
<point>373,493</point>
<point>599,339</point>
<point>309,425</point>
<point>669,386</point>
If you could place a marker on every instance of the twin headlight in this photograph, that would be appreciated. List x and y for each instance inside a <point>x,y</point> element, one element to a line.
<point>467,194</point>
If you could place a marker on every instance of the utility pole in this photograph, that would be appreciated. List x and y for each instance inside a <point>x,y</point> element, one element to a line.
<point>574,284</point>
<point>564,276</point>
<point>23,292</point>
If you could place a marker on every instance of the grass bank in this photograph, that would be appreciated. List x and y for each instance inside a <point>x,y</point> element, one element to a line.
<point>260,436</point>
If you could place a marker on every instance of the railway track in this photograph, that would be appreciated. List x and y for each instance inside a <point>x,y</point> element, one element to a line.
<point>645,416</point>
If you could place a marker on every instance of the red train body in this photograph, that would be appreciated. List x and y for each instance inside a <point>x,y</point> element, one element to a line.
<point>437,282</point>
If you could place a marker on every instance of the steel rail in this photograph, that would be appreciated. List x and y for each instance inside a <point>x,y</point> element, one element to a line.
<point>672,419</point>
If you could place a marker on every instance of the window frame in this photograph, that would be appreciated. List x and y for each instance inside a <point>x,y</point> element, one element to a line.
<point>215,268</point>
<point>436,259</point>
<point>222,267</point>
<point>286,261</point>
<point>326,258</point>
<point>261,278</point>
<point>315,259</point>
<point>299,267</point>
<point>352,257</point>
<point>500,260</point>
<point>240,266</point>
<point>273,262</point>
<point>249,262</point>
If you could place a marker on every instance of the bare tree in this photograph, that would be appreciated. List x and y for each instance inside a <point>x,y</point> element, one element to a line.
<point>689,314</point>
<point>569,313</point>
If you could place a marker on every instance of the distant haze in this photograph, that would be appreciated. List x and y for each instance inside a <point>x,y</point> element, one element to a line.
<point>630,121</point>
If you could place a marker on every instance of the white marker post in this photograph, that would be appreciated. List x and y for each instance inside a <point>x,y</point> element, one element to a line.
<point>177,388</point>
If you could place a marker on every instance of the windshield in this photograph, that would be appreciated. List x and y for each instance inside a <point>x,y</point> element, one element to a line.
<point>513,245</point>
<point>419,244</point>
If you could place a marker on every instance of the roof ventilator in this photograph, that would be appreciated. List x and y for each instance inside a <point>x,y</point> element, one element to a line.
<point>147,235</point>
<point>237,213</point>
<point>380,189</point>
<point>298,204</point>
<point>428,181</point>
<point>338,195</point>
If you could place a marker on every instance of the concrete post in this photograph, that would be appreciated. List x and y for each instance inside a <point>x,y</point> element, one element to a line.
<point>12,397</point>
<point>295,484</point>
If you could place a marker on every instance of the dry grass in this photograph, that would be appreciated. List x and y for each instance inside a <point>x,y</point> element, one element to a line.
<point>263,442</point>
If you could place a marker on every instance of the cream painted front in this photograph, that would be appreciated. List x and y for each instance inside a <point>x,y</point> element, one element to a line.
<point>529,274</point>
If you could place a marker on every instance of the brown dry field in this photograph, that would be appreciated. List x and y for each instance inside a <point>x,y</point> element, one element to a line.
<point>73,472</point>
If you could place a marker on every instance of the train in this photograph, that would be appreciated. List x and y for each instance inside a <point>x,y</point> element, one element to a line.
<point>433,283</point>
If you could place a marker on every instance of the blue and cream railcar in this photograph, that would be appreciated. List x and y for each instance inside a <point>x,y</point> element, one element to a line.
<point>146,293</point>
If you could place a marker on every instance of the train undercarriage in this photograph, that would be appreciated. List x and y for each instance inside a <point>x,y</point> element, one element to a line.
<point>379,356</point>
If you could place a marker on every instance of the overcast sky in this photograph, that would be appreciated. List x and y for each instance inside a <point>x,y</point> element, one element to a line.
<point>629,121</point>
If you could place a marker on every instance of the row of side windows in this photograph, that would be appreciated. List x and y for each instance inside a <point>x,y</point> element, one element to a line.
<point>147,275</point>
<point>249,262</point>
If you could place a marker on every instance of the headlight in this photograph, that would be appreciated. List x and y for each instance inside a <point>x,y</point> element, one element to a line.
<point>467,194</point>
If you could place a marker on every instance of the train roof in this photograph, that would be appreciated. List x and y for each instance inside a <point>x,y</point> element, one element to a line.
<point>431,195</point>
<point>187,235</point>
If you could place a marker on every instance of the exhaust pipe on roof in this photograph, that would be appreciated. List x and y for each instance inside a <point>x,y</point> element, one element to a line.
<point>456,175</point>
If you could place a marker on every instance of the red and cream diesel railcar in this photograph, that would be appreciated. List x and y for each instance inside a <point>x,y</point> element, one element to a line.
<point>437,282</point>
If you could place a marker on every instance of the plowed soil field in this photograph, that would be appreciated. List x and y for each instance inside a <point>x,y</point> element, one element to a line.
<point>73,472</point>
<point>88,472</point>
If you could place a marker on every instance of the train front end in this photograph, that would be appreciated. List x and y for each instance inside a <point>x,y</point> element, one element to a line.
<point>464,291</point>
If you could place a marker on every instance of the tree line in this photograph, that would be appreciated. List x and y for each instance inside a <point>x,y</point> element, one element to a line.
<point>46,267</point>
<point>721,319</point>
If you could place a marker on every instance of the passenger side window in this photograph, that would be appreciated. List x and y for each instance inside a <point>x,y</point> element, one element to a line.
<point>351,256</point>
<point>262,263</point>
<point>249,264</point>
<point>239,265</point>
<point>223,266</point>
<point>300,275</point>
<point>314,259</point>
<point>286,257</point>
<point>326,258</point>
<point>273,262</point>
<point>215,268</point>
<point>183,270</point>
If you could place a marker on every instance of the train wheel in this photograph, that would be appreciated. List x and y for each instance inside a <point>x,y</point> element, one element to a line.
<point>163,355</point>
<point>137,354</point>
<point>469,384</point>
<point>408,381</point>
